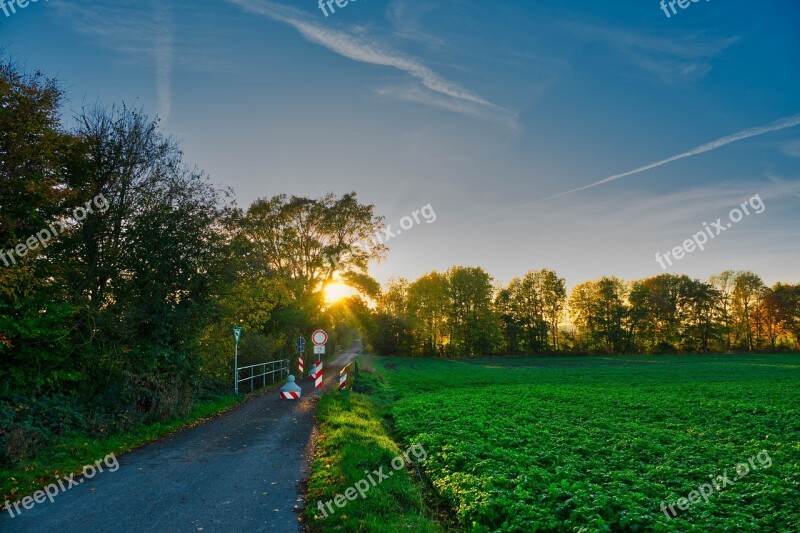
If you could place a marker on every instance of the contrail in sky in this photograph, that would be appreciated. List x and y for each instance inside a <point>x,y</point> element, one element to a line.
<point>781,124</point>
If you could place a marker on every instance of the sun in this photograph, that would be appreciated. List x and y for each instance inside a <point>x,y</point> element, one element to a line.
<point>336,290</point>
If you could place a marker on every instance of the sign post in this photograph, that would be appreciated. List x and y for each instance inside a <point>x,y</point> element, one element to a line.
<point>319,338</point>
<point>237,334</point>
<point>301,346</point>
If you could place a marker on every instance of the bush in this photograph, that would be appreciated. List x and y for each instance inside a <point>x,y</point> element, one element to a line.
<point>26,424</point>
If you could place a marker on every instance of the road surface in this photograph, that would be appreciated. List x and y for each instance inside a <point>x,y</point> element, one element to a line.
<point>239,472</point>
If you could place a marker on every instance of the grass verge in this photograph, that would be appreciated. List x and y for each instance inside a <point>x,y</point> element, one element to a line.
<point>71,454</point>
<point>353,440</point>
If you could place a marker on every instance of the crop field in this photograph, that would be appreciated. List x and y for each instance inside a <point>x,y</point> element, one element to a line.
<point>606,444</point>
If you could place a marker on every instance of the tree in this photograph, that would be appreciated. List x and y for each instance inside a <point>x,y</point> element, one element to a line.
<point>528,307</point>
<point>509,324</point>
<point>724,283</point>
<point>655,312</point>
<point>554,299</point>
<point>535,307</point>
<point>697,310</point>
<point>473,326</point>
<point>305,241</point>
<point>427,305</point>
<point>35,315</point>
<point>393,333</point>
<point>598,310</point>
<point>780,308</point>
<point>747,292</point>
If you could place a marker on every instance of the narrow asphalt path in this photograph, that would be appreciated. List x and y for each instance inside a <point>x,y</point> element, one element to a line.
<point>239,472</point>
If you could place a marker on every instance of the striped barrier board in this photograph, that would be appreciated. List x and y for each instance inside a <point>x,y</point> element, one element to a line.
<point>300,365</point>
<point>343,374</point>
<point>289,396</point>
<point>318,375</point>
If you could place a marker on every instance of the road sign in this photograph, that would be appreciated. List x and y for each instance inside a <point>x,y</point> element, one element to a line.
<point>319,349</point>
<point>301,344</point>
<point>319,337</point>
<point>237,334</point>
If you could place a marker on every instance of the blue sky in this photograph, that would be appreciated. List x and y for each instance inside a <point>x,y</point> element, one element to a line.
<point>488,111</point>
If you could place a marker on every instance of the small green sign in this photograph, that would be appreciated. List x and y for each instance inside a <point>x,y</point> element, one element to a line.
<point>237,334</point>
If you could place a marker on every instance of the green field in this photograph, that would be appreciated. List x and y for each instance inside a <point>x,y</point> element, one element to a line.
<point>597,444</point>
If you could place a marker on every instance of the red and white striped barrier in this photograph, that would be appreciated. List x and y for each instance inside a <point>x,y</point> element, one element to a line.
<point>343,373</point>
<point>290,391</point>
<point>300,365</point>
<point>318,375</point>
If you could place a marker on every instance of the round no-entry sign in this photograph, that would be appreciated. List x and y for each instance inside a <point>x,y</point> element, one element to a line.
<point>319,337</point>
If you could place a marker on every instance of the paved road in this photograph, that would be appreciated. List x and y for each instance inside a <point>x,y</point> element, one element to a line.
<point>239,472</point>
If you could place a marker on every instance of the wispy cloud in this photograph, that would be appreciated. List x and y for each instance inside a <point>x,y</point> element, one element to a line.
<point>406,17</point>
<point>135,30</point>
<point>421,95</point>
<point>677,57</point>
<point>791,148</point>
<point>782,124</point>
<point>360,48</point>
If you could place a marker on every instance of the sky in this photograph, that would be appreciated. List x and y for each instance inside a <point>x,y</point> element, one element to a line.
<point>585,137</point>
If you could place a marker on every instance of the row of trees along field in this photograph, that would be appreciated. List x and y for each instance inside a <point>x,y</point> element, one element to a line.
<point>126,316</point>
<point>461,312</point>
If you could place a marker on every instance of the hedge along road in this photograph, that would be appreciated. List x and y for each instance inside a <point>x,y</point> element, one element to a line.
<point>239,472</point>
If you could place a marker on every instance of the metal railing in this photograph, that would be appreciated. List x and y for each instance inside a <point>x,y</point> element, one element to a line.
<point>282,366</point>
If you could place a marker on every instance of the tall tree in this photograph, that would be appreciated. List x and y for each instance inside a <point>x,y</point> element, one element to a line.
<point>427,307</point>
<point>599,311</point>
<point>724,283</point>
<point>35,314</point>
<point>472,323</point>
<point>306,241</point>
<point>747,292</point>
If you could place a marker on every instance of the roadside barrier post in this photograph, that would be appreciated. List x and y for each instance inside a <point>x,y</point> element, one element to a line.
<point>290,391</point>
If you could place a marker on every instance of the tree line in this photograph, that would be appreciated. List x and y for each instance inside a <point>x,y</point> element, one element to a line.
<point>462,312</point>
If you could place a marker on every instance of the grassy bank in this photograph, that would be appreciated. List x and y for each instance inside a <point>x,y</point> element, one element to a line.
<point>353,439</point>
<point>71,453</point>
